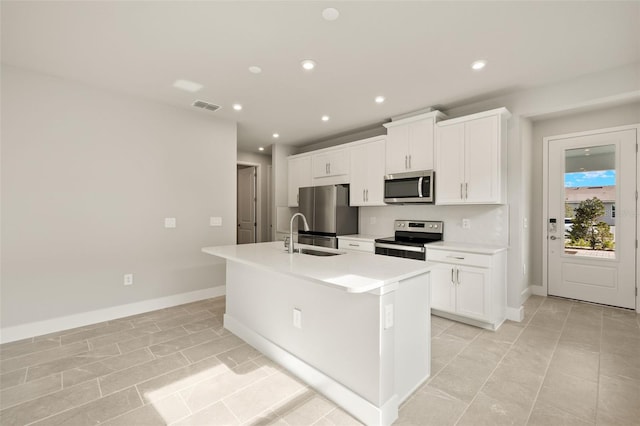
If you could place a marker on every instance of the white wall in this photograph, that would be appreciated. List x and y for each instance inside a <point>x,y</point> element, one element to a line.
<point>568,123</point>
<point>263,161</point>
<point>88,177</point>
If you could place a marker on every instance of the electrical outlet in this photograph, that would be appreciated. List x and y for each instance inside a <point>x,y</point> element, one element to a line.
<point>466,224</point>
<point>169,222</point>
<point>297,318</point>
<point>128,279</point>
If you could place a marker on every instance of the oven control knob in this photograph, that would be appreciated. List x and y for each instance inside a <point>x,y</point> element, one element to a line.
<point>430,226</point>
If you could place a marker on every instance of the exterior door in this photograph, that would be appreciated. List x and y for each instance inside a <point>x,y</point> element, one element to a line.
<point>246,205</point>
<point>591,217</point>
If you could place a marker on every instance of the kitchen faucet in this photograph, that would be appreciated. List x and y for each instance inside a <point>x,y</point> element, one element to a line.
<point>306,228</point>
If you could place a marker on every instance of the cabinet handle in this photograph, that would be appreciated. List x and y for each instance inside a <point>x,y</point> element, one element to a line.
<point>329,167</point>
<point>354,245</point>
<point>409,160</point>
<point>406,162</point>
<point>364,197</point>
<point>452,281</point>
<point>458,276</point>
<point>456,257</point>
<point>367,194</point>
<point>461,197</point>
<point>466,190</point>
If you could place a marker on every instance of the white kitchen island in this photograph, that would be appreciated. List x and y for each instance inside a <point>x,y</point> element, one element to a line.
<point>355,327</point>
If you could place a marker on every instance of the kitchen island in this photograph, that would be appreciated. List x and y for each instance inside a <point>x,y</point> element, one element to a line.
<point>354,326</point>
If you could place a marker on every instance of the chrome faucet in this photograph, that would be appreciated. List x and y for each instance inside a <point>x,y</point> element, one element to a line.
<point>306,228</point>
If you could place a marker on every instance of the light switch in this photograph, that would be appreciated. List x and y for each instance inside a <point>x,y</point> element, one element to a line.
<point>169,222</point>
<point>215,221</point>
<point>297,318</point>
<point>388,317</point>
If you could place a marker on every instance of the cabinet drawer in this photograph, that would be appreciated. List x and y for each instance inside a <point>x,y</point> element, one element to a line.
<point>459,258</point>
<point>346,244</point>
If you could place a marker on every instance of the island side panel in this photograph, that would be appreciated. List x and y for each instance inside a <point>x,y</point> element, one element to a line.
<point>413,334</point>
<point>341,334</point>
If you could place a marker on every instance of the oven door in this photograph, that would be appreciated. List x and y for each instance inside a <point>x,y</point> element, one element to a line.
<point>414,187</point>
<point>407,252</point>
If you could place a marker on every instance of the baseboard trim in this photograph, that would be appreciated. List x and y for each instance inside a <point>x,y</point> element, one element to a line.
<point>38,328</point>
<point>515,314</point>
<point>538,290</point>
<point>353,403</point>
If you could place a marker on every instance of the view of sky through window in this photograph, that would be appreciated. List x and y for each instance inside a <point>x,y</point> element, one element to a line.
<point>591,178</point>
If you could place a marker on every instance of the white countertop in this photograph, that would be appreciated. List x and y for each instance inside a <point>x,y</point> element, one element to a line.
<point>353,271</point>
<point>361,237</point>
<point>466,247</point>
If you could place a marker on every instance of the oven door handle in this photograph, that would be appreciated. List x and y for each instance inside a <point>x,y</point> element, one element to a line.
<point>420,186</point>
<point>398,247</point>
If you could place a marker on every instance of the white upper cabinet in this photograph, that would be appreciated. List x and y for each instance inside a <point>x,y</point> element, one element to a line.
<point>410,143</point>
<point>299,176</point>
<point>367,173</point>
<point>471,159</point>
<point>331,167</point>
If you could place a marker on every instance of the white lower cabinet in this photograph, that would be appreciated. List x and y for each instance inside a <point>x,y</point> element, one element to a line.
<point>469,287</point>
<point>356,243</point>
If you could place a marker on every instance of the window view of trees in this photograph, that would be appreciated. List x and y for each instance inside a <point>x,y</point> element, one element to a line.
<point>587,229</point>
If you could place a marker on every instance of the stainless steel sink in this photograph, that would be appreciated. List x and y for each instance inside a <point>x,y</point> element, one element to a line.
<point>317,252</point>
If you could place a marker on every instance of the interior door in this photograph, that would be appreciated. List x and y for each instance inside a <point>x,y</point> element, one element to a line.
<point>591,226</point>
<point>246,205</point>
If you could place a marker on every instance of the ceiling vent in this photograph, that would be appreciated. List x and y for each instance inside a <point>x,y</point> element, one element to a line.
<point>206,105</point>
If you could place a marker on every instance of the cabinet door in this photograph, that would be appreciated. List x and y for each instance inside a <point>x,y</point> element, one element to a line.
<point>358,185</point>
<point>442,288</point>
<point>450,164</point>
<point>375,173</point>
<point>482,170</point>
<point>397,150</point>
<point>420,141</point>
<point>332,163</point>
<point>472,292</point>
<point>299,176</point>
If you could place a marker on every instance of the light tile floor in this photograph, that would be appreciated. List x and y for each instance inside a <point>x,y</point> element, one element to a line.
<point>566,363</point>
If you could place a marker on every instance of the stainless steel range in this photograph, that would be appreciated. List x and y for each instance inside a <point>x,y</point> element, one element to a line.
<point>410,239</point>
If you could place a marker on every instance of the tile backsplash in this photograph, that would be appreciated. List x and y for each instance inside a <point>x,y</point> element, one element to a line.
<point>489,224</point>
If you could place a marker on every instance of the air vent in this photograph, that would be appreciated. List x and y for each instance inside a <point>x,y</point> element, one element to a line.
<point>206,105</point>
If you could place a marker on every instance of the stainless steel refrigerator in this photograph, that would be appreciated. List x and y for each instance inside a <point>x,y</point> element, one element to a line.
<point>328,213</point>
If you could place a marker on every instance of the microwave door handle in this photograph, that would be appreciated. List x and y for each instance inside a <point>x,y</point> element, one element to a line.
<point>420,186</point>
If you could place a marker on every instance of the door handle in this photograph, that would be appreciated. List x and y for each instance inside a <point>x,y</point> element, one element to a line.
<point>553,237</point>
<point>420,186</point>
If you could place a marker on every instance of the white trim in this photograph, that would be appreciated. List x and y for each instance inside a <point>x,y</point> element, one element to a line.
<point>515,314</point>
<point>353,403</point>
<point>525,294</point>
<point>538,290</point>
<point>38,328</point>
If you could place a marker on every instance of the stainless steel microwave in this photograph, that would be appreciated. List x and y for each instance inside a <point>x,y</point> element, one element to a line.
<point>410,187</point>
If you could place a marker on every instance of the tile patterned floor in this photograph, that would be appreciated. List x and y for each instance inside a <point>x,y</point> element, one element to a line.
<point>567,363</point>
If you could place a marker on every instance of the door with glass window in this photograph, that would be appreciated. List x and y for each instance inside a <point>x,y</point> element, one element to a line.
<point>591,220</point>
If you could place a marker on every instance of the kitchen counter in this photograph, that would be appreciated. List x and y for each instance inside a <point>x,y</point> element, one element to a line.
<point>352,271</point>
<point>356,327</point>
<point>467,247</point>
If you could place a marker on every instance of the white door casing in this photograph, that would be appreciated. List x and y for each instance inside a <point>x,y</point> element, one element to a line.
<point>609,281</point>
<point>246,205</point>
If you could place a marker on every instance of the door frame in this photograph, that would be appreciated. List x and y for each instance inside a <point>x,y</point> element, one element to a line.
<point>545,197</point>
<point>259,224</point>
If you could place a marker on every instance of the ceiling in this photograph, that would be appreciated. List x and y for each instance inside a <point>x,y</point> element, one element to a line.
<point>416,54</point>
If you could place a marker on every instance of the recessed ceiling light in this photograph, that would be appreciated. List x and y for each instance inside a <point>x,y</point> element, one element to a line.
<point>330,14</point>
<point>379,99</point>
<point>261,148</point>
<point>237,107</point>
<point>325,118</point>
<point>478,65</point>
<point>308,64</point>
<point>189,86</point>
<point>276,135</point>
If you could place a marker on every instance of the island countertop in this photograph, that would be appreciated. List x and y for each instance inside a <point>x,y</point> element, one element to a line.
<point>352,271</point>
